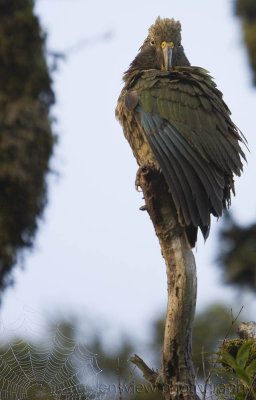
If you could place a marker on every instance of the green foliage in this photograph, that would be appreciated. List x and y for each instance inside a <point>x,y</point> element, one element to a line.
<point>210,328</point>
<point>250,40</point>
<point>237,253</point>
<point>26,140</point>
<point>243,354</point>
<point>238,361</point>
<point>246,10</point>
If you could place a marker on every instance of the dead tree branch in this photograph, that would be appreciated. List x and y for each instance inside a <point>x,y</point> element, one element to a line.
<point>176,378</point>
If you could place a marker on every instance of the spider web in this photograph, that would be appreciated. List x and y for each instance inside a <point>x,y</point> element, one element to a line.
<point>56,367</point>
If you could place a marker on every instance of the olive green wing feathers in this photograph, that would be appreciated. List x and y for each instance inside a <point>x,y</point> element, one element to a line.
<point>189,130</point>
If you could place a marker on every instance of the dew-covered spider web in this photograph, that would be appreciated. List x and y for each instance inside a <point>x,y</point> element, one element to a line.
<point>52,366</point>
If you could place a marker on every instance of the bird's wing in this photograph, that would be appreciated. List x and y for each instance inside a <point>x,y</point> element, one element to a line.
<point>188,127</point>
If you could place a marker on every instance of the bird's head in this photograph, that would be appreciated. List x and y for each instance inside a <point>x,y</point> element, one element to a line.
<point>162,48</point>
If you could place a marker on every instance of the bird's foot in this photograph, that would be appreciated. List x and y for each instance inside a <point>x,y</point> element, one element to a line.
<point>137,180</point>
<point>144,168</point>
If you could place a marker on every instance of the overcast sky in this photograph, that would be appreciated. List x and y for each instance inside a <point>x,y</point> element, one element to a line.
<point>96,254</point>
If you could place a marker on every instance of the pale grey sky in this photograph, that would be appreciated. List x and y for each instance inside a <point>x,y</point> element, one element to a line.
<point>96,254</point>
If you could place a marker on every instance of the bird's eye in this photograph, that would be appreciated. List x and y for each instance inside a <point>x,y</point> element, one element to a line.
<point>178,44</point>
<point>152,42</point>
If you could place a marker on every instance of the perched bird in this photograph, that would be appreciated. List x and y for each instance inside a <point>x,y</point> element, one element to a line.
<point>175,119</point>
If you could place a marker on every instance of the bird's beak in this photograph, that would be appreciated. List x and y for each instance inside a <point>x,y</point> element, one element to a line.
<point>167,54</point>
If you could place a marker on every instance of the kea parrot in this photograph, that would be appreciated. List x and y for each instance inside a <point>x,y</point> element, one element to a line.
<point>175,120</point>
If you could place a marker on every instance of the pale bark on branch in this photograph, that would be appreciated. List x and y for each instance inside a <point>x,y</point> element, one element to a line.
<point>176,378</point>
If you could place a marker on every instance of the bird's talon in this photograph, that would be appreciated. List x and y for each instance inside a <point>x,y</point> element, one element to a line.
<point>137,180</point>
<point>137,187</point>
<point>143,169</point>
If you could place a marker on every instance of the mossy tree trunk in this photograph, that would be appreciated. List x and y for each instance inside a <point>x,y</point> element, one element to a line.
<point>26,139</point>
